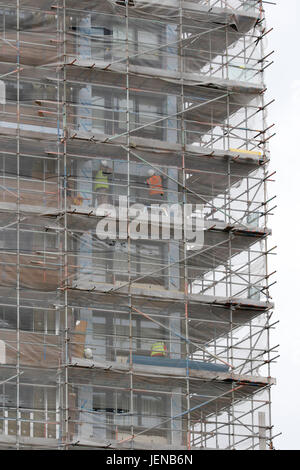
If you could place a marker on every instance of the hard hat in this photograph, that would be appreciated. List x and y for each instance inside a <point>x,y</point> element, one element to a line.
<point>150,172</point>
<point>104,162</point>
<point>88,353</point>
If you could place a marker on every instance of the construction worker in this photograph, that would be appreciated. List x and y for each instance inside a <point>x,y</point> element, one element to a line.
<point>158,349</point>
<point>155,184</point>
<point>101,184</point>
<point>78,200</point>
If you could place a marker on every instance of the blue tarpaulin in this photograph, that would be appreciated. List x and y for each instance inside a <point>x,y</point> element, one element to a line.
<point>182,363</point>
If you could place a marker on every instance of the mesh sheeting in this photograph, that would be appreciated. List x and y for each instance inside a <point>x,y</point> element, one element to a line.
<point>177,88</point>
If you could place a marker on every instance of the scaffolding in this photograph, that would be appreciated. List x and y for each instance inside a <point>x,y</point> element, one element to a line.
<point>123,87</point>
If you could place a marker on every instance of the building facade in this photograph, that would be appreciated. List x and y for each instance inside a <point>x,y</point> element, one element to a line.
<point>127,342</point>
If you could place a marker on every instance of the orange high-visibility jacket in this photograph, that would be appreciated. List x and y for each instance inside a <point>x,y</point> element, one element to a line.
<point>155,184</point>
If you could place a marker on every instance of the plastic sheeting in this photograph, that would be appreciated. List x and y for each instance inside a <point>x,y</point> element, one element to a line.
<point>178,89</point>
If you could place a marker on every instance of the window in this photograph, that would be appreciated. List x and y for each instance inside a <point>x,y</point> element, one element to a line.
<point>145,258</point>
<point>111,335</point>
<point>99,42</point>
<point>2,92</point>
<point>123,3</point>
<point>45,241</point>
<point>108,110</point>
<point>149,110</point>
<point>149,409</point>
<point>151,406</point>
<point>98,113</point>
<point>8,165</point>
<point>144,109</point>
<point>109,403</point>
<point>94,42</point>
<point>119,115</point>
<point>8,317</point>
<point>114,408</point>
<point>40,321</point>
<point>119,33</point>
<point>147,41</point>
<point>140,41</point>
<point>148,258</point>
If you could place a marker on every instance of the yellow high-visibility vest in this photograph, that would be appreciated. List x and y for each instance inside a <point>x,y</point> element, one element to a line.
<point>158,349</point>
<point>101,180</point>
